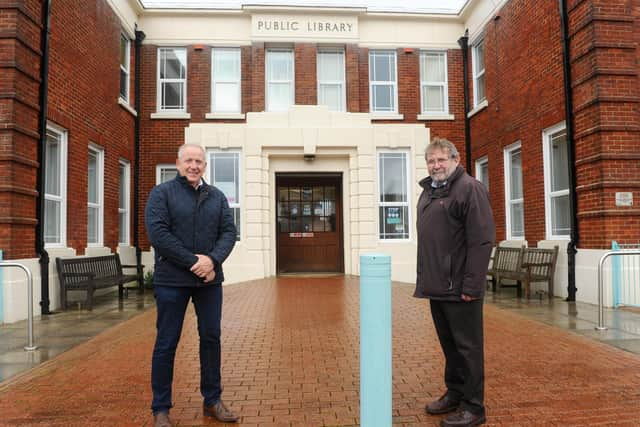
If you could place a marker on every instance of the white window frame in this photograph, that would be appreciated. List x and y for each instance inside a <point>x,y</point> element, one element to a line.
<point>373,83</point>
<point>237,81</point>
<point>126,68</point>
<point>477,73</point>
<point>159,105</point>
<point>548,179</point>
<point>426,83</point>
<point>268,80</point>
<point>238,203</point>
<point>163,166</point>
<point>482,161</point>
<point>99,206</point>
<point>125,210</point>
<point>341,83</point>
<point>407,203</point>
<point>62,135</point>
<point>508,152</point>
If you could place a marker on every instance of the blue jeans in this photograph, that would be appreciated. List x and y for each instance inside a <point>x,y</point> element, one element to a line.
<point>172,304</point>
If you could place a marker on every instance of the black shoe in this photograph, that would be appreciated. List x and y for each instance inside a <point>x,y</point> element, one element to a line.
<point>220,412</point>
<point>463,418</point>
<point>443,405</point>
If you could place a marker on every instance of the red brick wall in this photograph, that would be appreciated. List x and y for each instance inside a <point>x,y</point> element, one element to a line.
<point>605,58</point>
<point>524,88</point>
<point>84,82</point>
<point>306,79</point>
<point>19,108</point>
<point>160,139</point>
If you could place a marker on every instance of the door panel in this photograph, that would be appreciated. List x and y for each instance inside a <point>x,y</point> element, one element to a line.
<point>309,223</point>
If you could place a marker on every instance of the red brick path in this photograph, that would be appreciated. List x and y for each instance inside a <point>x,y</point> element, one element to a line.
<point>290,357</point>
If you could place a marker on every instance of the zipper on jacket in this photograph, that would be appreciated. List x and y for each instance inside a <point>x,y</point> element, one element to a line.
<point>195,226</point>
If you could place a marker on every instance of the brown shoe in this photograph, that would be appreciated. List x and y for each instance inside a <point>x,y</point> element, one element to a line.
<point>443,405</point>
<point>161,419</point>
<point>463,418</point>
<point>220,412</point>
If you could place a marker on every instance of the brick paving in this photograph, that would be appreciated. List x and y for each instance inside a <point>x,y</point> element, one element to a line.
<point>290,358</point>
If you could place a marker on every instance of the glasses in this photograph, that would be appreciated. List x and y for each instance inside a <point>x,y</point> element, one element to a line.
<point>439,161</point>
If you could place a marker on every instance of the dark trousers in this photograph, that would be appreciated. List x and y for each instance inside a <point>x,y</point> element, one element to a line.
<point>459,328</point>
<point>172,304</point>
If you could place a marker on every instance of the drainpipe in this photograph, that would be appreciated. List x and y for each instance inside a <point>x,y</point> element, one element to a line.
<point>136,161</point>
<point>464,45</point>
<point>42,130</point>
<point>573,198</point>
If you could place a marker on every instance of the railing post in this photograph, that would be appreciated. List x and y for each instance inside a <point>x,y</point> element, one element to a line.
<point>375,340</point>
<point>601,326</point>
<point>30,345</point>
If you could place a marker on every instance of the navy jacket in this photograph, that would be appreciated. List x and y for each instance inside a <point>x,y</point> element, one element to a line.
<point>182,222</point>
<point>456,233</point>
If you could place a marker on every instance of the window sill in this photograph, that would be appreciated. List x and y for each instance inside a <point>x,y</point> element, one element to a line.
<point>124,104</point>
<point>387,116</point>
<point>484,104</point>
<point>230,116</point>
<point>163,115</point>
<point>441,116</point>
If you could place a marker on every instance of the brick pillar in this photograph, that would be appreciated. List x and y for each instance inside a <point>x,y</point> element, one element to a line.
<point>363,64</point>
<point>305,68</point>
<point>199,82</point>
<point>352,78</point>
<point>257,77</point>
<point>20,58</point>
<point>606,89</point>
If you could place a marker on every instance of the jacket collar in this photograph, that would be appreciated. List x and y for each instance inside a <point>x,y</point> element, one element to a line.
<point>183,180</point>
<point>426,182</point>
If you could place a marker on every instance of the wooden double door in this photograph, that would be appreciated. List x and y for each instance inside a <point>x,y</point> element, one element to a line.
<point>309,222</point>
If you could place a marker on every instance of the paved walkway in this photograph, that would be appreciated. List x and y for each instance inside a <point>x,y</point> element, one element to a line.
<point>290,358</point>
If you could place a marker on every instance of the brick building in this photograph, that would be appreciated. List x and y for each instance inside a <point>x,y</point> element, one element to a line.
<point>315,120</point>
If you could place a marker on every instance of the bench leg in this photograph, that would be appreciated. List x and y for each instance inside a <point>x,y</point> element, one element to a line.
<point>63,297</point>
<point>120,291</point>
<point>519,288</point>
<point>527,289</point>
<point>493,284</point>
<point>89,303</point>
<point>551,288</point>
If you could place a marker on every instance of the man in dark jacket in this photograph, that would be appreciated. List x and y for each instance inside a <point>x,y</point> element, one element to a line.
<point>455,235</point>
<point>190,225</point>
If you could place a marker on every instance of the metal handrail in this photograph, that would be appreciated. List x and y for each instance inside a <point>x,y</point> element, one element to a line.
<point>30,345</point>
<point>601,326</point>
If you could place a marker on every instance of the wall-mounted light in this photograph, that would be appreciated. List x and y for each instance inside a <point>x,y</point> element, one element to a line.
<point>408,50</point>
<point>198,47</point>
<point>309,157</point>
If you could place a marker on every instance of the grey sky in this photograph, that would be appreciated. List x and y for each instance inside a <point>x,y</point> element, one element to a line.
<point>405,6</point>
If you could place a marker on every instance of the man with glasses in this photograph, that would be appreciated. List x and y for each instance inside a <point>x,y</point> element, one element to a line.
<point>456,232</point>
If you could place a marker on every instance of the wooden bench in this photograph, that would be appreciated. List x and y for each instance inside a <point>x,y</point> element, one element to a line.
<point>523,264</point>
<point>91,273</point>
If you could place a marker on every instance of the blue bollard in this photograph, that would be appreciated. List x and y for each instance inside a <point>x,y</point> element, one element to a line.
<point>375,340</point>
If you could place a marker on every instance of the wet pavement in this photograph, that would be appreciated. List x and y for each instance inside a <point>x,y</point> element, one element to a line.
<point>291,358</point>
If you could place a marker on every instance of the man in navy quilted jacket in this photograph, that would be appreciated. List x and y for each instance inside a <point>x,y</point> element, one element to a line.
<point>190,225</point>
